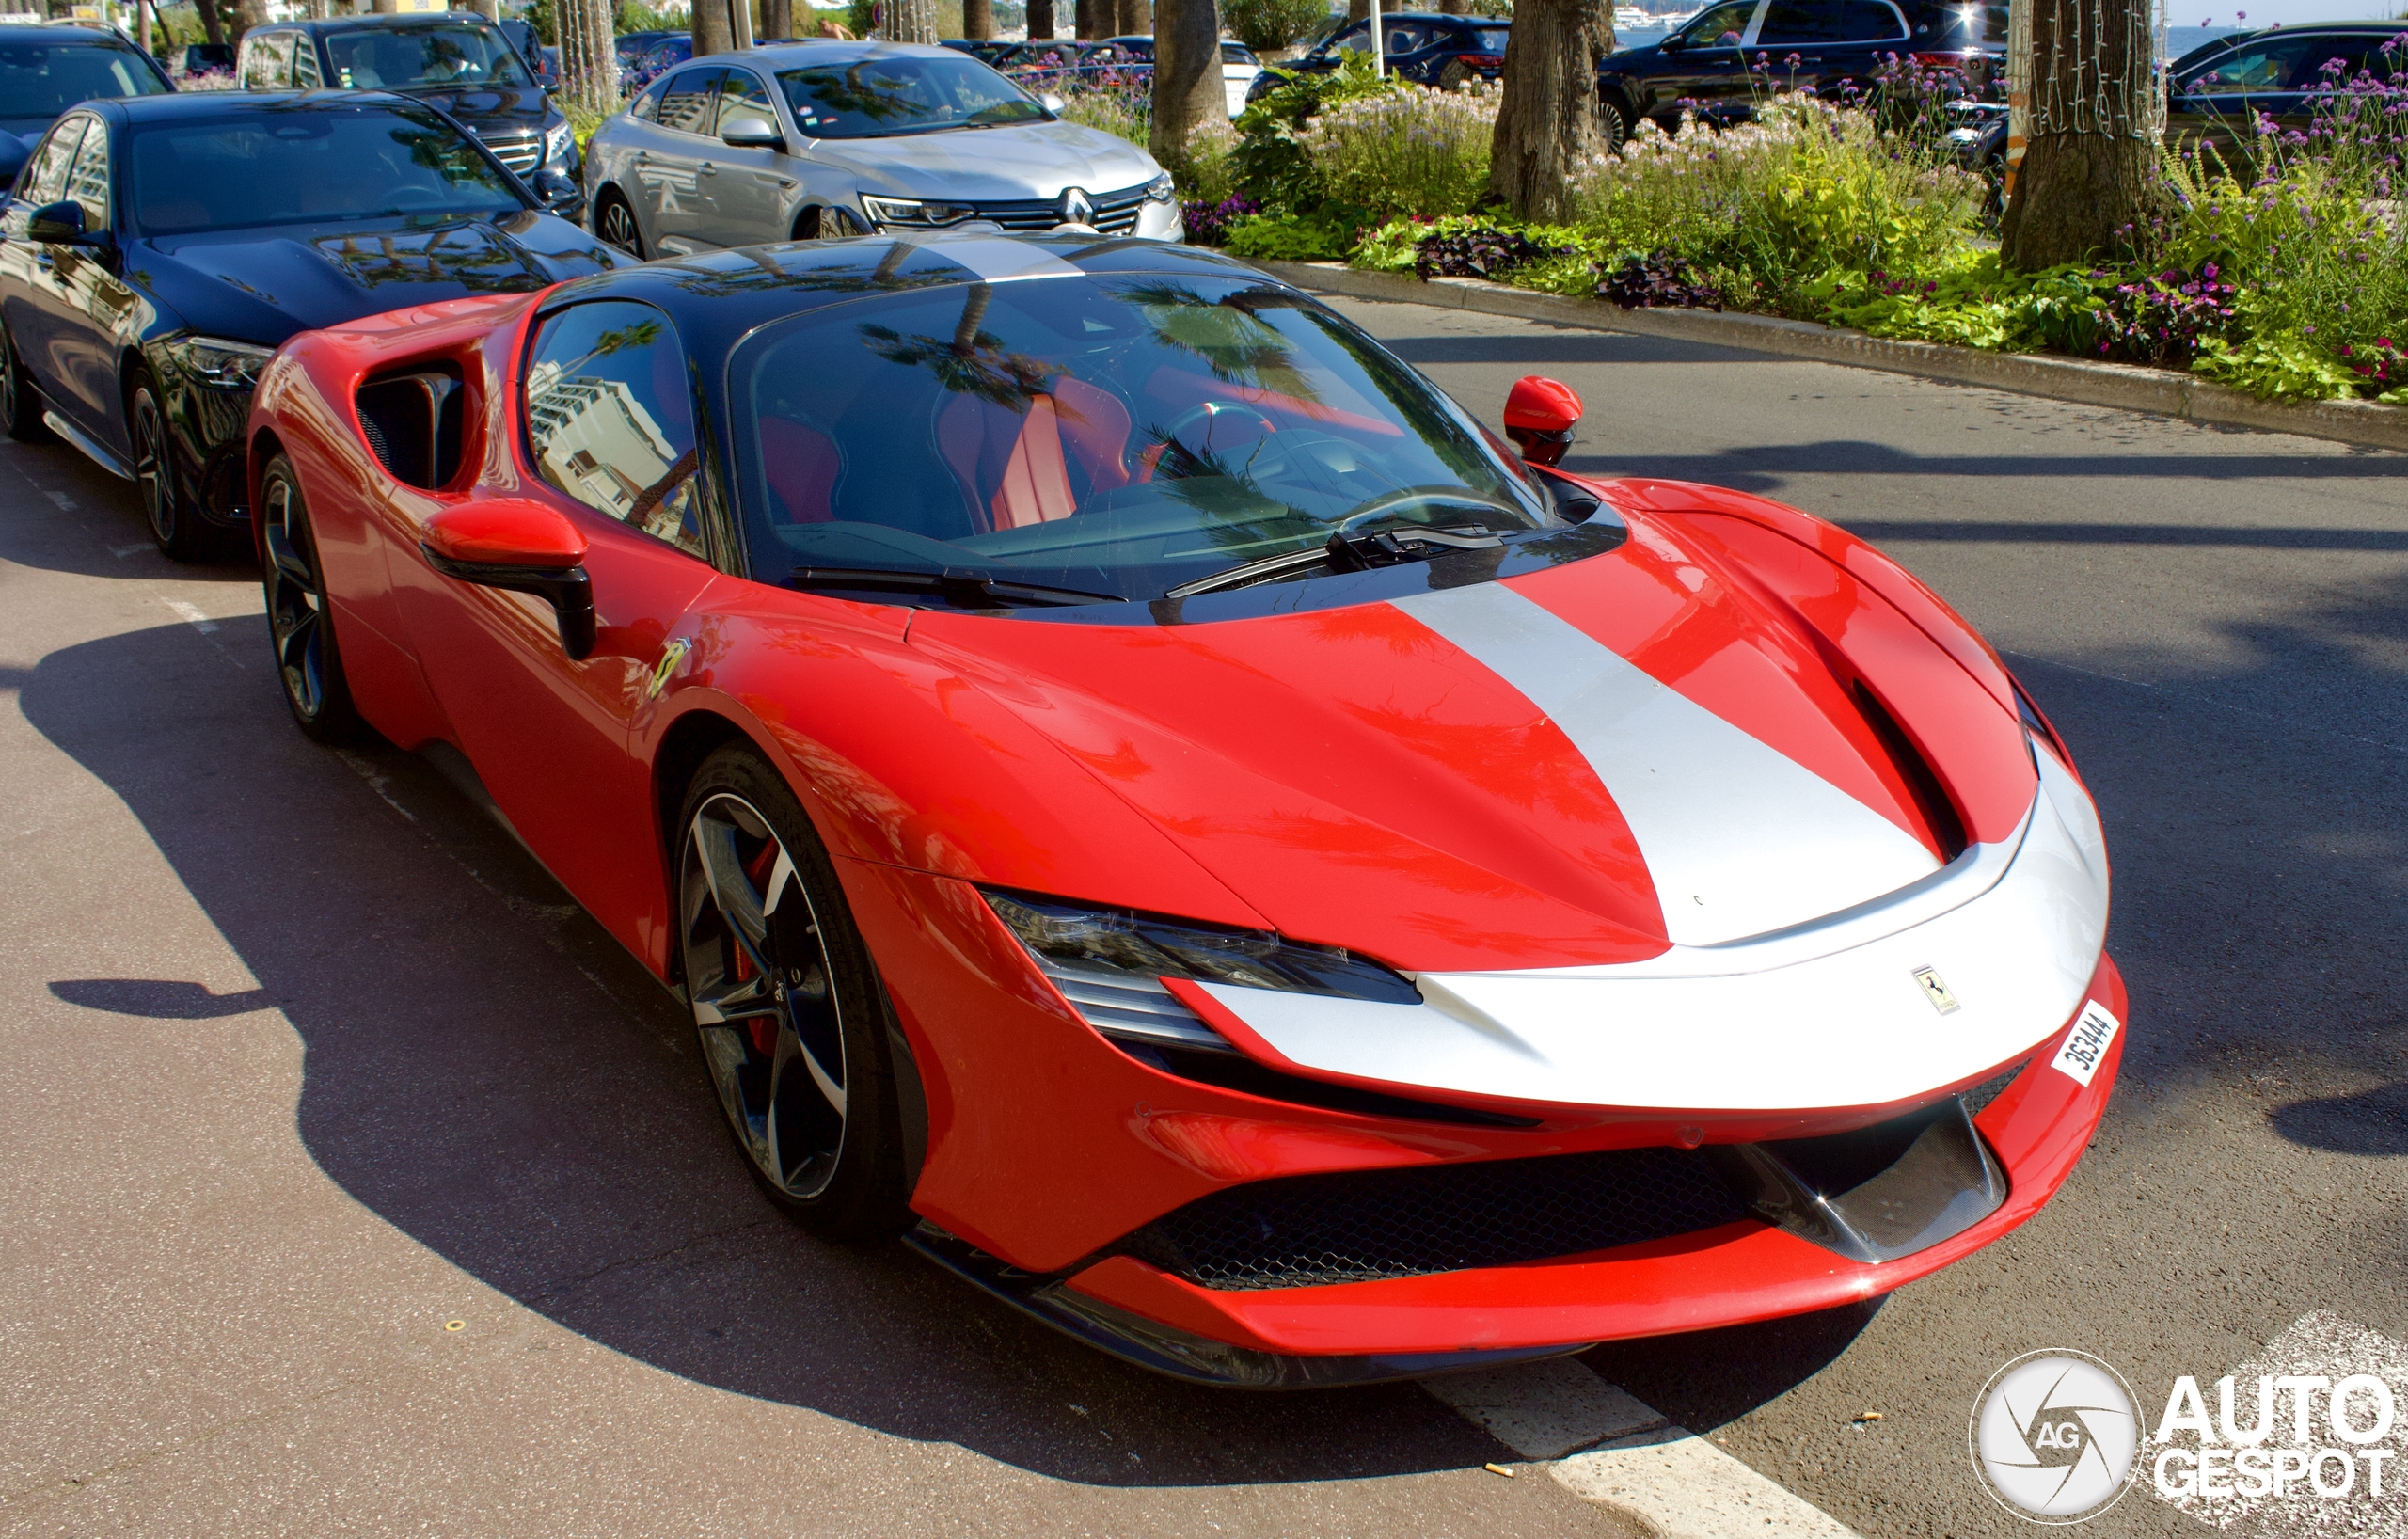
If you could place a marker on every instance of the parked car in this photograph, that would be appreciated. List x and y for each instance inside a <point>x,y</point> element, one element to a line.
<point>984,50</point>
<point>1066,64</point>
<point>541,62</point>
<point>157,249</point>
<point>455,61</point>
<point>2218,92</point>
<point>1730,54</point>
<point>1424,47</point>
<point>655,61</point>
<point>1141,795</point>
<point>1239,66</point>
<point>833,137</point>
<point>45,69</point>
<point>201,58</point>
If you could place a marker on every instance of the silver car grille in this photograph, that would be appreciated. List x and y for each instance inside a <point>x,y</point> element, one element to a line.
<point>520,148</point>
<point>1116,213</point>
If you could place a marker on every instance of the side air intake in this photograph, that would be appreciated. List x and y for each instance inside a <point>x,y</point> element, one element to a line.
<point>412,423</point>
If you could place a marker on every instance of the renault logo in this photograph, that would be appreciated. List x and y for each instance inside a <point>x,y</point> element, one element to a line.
<point>1077,207</point>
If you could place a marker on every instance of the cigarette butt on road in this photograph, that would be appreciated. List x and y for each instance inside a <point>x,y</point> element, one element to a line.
<point>1506,1470</point>
<point>1870,1416</point>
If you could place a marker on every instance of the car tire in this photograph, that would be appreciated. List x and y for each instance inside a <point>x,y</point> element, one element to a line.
<point>792,1019</point>
<point>1611,126</point>
<point>1455,77</point>
<point>175,526</point>
<point>615,223</point>
<point>20,406</point>
<point>300,624</point>
<point>840,224</point>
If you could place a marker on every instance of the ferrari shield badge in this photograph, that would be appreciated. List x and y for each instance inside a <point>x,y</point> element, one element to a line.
<point>1936,990</point>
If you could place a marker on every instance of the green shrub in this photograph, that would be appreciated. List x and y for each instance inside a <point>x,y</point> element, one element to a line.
<point>1126,111</point>
<point>1209,174</point>
<point>1271,166</point>
<point>1412,151</point>
<point>1284,237</point>
<point>1266,25</point>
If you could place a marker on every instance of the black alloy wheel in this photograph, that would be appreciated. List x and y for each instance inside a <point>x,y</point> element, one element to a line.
<point>1611,126</point>
<point>787,1004</point>
<point>615,222</point>
<point>20,403</point>
<point>297,619</point>
<point>179,532</point>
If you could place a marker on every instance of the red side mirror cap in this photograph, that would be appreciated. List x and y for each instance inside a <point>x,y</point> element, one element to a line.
<point>505,531</point>
<point>1539,415</point>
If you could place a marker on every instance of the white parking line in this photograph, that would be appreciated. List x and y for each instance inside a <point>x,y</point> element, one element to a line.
<point>1603,1445</point>
<point>191,615</point>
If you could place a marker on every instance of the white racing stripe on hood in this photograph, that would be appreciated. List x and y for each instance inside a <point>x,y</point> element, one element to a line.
<point>998,260</point>
<point>1739,838</point>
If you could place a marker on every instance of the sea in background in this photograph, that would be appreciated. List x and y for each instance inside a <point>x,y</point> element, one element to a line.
<point>2178,40</point>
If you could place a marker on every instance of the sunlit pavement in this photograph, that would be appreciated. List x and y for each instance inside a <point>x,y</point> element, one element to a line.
<point>352,1181</point>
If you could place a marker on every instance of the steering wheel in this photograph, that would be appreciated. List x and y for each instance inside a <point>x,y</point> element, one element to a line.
<point>1206,411</point>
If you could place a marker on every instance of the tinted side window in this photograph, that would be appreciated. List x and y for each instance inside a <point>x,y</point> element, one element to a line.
<point>743,88</point>
<point>1799,21</point>
<point>687,104</point>
<point>305,63</point>
<point>1354,40</point>
<point>2266,67</point>
<point>1723,27</point>
<point>267,62</point>
<point>1401,39</point>
<point>87,178</point>
<point>46,172</point>
<point>610,416</point>
<point>648,105</point>
<point>1869,21</point>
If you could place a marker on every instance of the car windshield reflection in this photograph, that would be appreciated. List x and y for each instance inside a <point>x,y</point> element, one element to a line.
<point>880,97</point>
<point>240,171</point>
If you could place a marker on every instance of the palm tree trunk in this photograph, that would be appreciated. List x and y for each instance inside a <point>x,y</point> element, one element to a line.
<point>1136,18</point>
<point>2088,116</point>
<point>1188,93</point>
<point>1040,19</point>
<point>589,62</point>
<point>1546,125</point>
<point>713,31</point>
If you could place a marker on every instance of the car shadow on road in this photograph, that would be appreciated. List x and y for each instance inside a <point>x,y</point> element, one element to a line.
<point>487,1072</point>
<point>2374,1122</point>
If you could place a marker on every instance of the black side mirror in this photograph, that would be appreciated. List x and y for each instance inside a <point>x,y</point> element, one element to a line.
<point>1672,45</point>
<point>61,224</point>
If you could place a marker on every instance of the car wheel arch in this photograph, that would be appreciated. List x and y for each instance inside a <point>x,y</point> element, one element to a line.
<point>264,447</point>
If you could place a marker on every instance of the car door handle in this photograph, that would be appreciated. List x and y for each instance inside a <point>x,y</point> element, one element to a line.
<point>707,168</point>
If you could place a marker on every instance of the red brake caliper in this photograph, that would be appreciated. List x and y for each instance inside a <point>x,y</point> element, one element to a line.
<point>762,1029</point>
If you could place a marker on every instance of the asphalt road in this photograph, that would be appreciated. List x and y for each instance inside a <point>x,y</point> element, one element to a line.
<point>307,1062</point>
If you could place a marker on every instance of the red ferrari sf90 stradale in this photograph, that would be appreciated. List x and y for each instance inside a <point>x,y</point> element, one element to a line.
<point>1142,792</point>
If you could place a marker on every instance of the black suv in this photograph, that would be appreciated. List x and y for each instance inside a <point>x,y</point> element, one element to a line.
<point>453,60</point>
<point>2217,91</point>
<point>46,69</point>
<point>1729,54</point>
<point>1419,46</point>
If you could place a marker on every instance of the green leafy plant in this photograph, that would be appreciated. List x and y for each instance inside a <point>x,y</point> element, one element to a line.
<point>1271,165</point>
<point>1266,25</point>
<point>1284,237</point>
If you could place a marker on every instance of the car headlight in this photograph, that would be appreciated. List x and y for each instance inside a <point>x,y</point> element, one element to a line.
<point>907,211</point>
<point>557,141</point>
<point>1110,964</point>
<point>217,363</point>
<point>1160,189</point>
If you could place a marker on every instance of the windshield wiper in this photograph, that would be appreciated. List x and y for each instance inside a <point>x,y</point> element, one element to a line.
<point>1346,552</point>
<point>956,584</point>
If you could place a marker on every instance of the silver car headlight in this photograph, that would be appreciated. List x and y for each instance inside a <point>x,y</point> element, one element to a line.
<point>909,210</point>
<point>557,141</point>
<point>1110,964</point>
<point>1160,190</point>
<point>218,364</point>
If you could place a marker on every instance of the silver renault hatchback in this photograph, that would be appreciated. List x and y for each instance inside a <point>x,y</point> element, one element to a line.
<point>842,138</point>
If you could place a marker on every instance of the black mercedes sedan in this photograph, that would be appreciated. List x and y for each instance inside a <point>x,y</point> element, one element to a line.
<point>156,250</point>
<point>2217,94</point>
<point>46,69</point>
<point>456,60</point>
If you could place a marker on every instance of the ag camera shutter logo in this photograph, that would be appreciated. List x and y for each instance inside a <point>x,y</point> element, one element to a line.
<point>2054,1436</point>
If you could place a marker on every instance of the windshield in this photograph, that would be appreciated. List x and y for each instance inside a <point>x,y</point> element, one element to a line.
<point>397,57</point>
<point>1117,436</point>
<point>877,97</point>
<point>42,80</point>
<point>290,165</point>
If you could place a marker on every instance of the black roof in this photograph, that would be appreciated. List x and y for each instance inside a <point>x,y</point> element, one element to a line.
<point>62,33</point>
<point>191,105</point>
<point>718,296</point>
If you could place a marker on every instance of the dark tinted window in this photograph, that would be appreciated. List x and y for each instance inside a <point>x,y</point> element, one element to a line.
<point>283,166</point>
<point>1237,52</point>
<point>743,90</point>
<point>690,100</point>
<point>648,105</point>
<point>1491,39</point>
<point>433,53</point>
<point>874,96</point>
<point>45,177</point>
<point>2279,64</point>
<point>1720,26</point>
<point>1113,436</point>
<point>87,178</point>
<point>1404,38</point>
<point>610,416</point>
<point>42,80</point>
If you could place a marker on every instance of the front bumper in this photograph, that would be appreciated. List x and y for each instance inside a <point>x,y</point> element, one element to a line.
<point>1731,1274</point>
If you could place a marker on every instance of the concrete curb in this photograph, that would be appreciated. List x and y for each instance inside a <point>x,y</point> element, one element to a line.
<point>2124,387</point>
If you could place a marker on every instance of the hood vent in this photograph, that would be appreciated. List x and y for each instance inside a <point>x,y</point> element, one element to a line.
<point>412,424</point>
<point>1940,814</point>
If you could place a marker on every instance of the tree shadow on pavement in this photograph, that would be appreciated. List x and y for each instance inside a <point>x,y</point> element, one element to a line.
<point>485,1070</point>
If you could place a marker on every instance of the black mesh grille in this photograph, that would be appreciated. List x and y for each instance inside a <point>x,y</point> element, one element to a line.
<point>1352,1226</point>
<point>1991,1089</point>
